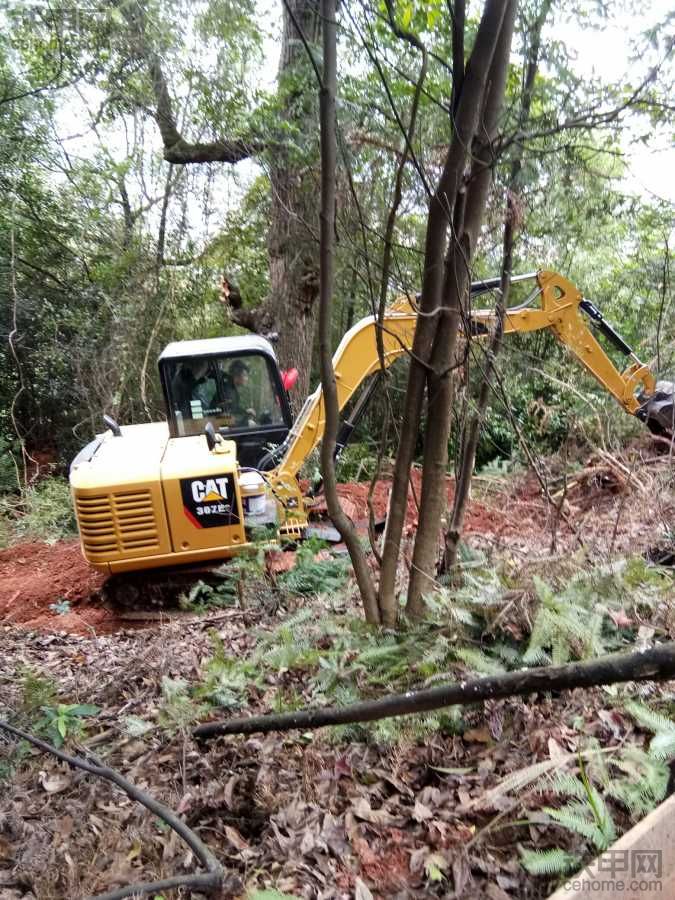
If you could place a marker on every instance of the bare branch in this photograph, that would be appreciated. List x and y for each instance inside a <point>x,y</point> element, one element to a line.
<point>176,149</point>
<point>657,664</point>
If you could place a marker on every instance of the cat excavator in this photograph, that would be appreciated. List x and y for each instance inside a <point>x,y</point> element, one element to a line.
<point>190,490</point>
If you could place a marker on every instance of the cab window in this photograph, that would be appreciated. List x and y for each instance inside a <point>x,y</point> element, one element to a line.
<point>233,392</point>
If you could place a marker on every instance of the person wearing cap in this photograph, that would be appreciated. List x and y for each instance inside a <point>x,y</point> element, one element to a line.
<point>235,378</point>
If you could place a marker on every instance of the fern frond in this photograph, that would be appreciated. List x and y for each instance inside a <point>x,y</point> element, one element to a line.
<point>662,745</point>
<point>463,615</point>
<point>479,661</point>
<point>381,653</point>
<point>509,654</point>
<point>566,785</point>
<point>572,819</point>
<point>548,862</point>
<point>648,718</point>
<point>518,780</point>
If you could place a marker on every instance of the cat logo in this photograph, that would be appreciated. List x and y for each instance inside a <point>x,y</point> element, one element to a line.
<point>210,501</point>
<point>213,490</point>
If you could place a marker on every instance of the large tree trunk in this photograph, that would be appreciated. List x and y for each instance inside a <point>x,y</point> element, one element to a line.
<point>291,307</point>
<point>294,223</point>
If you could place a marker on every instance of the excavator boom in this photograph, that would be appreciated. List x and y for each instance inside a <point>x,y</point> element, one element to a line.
<point>559,308</point>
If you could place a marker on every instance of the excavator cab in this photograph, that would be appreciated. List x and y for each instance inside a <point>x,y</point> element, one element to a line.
<point>235,384</point>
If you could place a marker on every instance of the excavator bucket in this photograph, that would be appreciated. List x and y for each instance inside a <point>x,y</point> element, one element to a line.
<point>658,411</point>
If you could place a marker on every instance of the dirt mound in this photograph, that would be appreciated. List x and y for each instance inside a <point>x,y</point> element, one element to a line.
<point>35,578</point>
<point>480,517</point>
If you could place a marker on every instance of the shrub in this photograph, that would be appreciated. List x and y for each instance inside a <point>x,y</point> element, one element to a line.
<point>43,511</point>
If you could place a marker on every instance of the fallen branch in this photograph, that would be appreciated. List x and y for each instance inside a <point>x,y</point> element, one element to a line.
<point>209,881</point>
<point>657,664</point>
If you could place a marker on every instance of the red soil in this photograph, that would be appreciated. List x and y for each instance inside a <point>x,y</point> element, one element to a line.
<point>34,576</point>
<point>480,518</point>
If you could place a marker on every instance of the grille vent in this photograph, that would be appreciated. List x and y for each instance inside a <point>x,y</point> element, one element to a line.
<point>121,522</point>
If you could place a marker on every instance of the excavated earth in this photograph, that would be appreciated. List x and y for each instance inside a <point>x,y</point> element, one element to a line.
<point>50,587</point>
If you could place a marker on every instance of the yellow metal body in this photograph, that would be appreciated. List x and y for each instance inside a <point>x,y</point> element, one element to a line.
<point>132,498</point>
<point>131,510</point>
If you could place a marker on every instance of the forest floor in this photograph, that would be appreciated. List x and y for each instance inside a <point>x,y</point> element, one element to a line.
<point>417,808</point>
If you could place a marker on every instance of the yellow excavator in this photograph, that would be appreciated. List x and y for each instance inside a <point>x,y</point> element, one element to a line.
<point>189,490</point>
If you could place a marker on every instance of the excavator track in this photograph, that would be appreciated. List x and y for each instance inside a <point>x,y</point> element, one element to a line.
<point>156,589</point>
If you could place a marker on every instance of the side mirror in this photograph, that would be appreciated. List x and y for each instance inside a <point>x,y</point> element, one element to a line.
<point>112,425</point>
<point>210,435</point>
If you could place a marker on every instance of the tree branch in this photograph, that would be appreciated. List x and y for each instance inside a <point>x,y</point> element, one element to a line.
<point>176,149</point>
<point>657,664</point>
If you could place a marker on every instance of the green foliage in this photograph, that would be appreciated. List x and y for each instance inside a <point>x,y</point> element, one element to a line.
<point>9,454</point>
<point>310,576</point>
<point>225,680</point>
<point>178,708</point>
<point>64,721</point>
<point>44,511</point>
<point>202,596</point>
<point>548,862</point>
<point>357,462</point>
<point>36,691</point>
<point>662,746</point>
<point>645,783</point>
<point>226,584</point>
<point>269,894</point>
<point>634,780</point>
<point>572,623</point>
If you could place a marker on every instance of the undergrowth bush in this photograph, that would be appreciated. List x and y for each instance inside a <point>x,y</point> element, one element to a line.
<point>43,511</point>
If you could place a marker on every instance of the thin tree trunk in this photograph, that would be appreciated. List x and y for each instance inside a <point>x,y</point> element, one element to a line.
<point>433,500</point>
<point>472,428</point>
<point>441,211</point>
<point>456,285</point>
<point>327,282</point>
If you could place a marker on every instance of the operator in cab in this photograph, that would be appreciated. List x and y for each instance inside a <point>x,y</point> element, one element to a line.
<point>234,379</point>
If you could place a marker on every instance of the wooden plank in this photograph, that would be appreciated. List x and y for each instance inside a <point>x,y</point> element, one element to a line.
<point>639,866</point>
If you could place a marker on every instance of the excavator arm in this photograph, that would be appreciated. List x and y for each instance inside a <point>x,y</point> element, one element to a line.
<point>558,308</point>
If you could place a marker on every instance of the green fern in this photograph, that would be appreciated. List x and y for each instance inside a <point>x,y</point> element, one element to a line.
<point>662,746</point>
<point>310,576</point>
<point>479,661</point>
<point>566,625</point>
<point>548,862</point>
<point>648,718</point>
<point>579,818</point>
<point>565,784</point>
<point>645,783</point>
